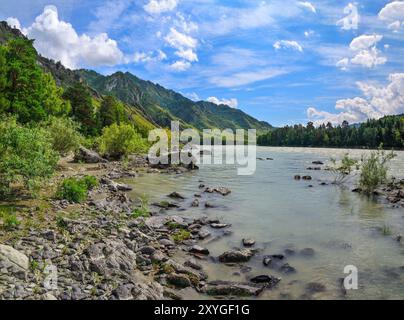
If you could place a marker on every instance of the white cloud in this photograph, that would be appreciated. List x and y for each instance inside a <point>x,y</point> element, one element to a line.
<point>309,33</point>
<point>364,42</point>
<point>343,64</point>
<point>351,21</point>
<point>160,6</point>
<point>180,40</point>
<point>187,54</point>
<point>142,57</point>
<point>287,44</point>
<point>180,65</point>
<point>58,40</point>
<point>14,23</point>
<point>377,101</point>
<point>393,13</point>
<point>233,103</point>
<point>365,53</point>
<point>307,5</point>
<point>247,77</point>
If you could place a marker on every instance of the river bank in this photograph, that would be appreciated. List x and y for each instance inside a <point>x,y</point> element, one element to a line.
<point>197,233</point>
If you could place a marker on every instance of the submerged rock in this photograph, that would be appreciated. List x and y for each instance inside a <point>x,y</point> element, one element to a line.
<point>315,287</point>
<point>227,288</point>
<point>176,195</point>
<point>199,250</point>
<point>308,252</point>
<point>248,242</point>
<point>234,256</point>
<point>270,281</point>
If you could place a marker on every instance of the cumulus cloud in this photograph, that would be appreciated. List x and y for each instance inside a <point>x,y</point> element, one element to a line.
<point>377,101</point>
<point>352,18</point>
<point>180,40</point>
<point>308,5</point>
<point>393,14</point>
<point>58,40</point>
<point>187,54</point>
<point>287,44</point>
<point>160,6</point>
<point>14,23</point>
<point>180,65</point>
<point>233,103</point>
<point>143,57</point>
<point>365,52</point>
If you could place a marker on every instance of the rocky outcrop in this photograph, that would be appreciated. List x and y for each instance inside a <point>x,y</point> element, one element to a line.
<point>88,156</point>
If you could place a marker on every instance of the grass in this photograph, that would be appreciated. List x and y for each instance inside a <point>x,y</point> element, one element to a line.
<point>386,230</point>
<point>181,236</point>
<point>143,211</point>
<point>9,218</point>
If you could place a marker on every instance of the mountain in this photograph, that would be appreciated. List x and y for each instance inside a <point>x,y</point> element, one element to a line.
<point>149,104</point>
<point>164,105</point>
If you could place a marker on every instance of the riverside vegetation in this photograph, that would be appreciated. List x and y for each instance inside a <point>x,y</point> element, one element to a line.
<point>62,149</point>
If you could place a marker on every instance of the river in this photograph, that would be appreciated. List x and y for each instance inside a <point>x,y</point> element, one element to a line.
<point>343,228</point>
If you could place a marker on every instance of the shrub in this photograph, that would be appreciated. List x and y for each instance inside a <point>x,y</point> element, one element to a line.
<point>119,141</point>
<point>26,156</point>
<point>75,190</point>
<point>343,170</point>
<point>374,170</point>
<point>64,133</point>
<point>143,210</point>
<point>9,218</point>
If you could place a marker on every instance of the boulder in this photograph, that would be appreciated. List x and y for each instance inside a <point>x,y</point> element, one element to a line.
<point>268,280</point>
<point>227,288</point>
<point>248,242</point>
<point>88,156</point>
<point>176,195</point>
<point>115,186</point>
<point>234,256</point>
<point>13,258</point>
<point>199,250</point>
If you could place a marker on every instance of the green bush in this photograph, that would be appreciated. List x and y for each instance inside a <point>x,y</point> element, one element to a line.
<point>143,210</point>
<point>119,141</point>
<point>26,156</point>
<point>75,190</point>
<point>374,170</point>
<point>64,133</point>
<point>9,218</point>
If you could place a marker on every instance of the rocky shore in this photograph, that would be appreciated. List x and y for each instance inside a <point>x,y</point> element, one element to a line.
<point>100,250</point>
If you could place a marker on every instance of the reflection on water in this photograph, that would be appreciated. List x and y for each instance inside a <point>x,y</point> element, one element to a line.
<point>342,227</point>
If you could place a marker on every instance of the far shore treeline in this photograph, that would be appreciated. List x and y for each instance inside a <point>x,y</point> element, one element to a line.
<point>387,131</point>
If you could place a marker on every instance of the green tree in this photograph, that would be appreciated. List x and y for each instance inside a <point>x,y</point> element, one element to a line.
<point>111,111</point>
<point>26,155</point>
<point>30,93</point>
<point>82,108</point>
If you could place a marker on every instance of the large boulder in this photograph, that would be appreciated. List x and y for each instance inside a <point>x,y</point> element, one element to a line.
<point>226,288</point>
<point>88,156</point>
<point>10,257</point>
<point>235,256</point>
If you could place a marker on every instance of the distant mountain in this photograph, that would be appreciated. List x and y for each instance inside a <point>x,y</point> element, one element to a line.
<point>164,105</point>
<point>149,103</point>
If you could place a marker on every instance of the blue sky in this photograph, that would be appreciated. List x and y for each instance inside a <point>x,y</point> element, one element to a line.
<point>284,62</point>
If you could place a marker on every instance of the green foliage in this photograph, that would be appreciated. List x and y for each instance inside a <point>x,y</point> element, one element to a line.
<point>374,170</point>
<point>111,111</point>
<point>119,141</point>
<point>343,169</point>
<point>181,236</point>
<point>386,230</point>
<point>83,110</point>
<point>9,218</point>
<point>25,90</point>
<point>26,155</point>
<point>64,133</point>
<point>389,131</point>
<point>75,189</point>
<point>143,210</point>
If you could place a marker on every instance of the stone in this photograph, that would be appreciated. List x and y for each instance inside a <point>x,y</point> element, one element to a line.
<point>179,280</point>
<point>248,242</point>
<point>123,292</point>
<point>287,269</point>
<point>307,178</point>
<point>199,250</point>
<point>115,186</point>
<point>223,191</point>
<point>195,203</point>
<point>88,156</point>
<point>268,280</point>
<point>234,256</point>
<point>176,195</point>
<point>49,297</point>
<point>319,163</point>
<point>192,263</point>
<point>307,252</point>
<point>219,225</point>
<point>147,250</point>
<point>12,257</point>
<point>227,288</point>
<point>297,177</point>
<point>315,287</point>
<point>203,234</point>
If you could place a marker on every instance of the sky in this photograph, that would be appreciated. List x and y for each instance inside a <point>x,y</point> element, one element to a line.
<point>284,62</point>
